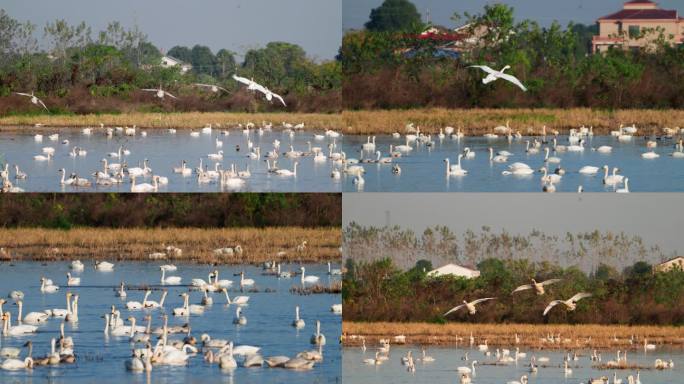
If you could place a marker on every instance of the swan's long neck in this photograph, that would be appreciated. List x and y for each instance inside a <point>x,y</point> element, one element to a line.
<point>163,275</point>
<point>225,291</point>
<point>20,304</point>
<point>447,166</point>
<point>62,181</point>
<point>297,313</point>
<point>161,301</point>
<point>303,274</point>
<point>106,328</point>
<point>318,328</point>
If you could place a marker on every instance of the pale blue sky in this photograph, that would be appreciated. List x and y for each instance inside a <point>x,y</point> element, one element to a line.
<point>237,25</point>
<point>355,12</point>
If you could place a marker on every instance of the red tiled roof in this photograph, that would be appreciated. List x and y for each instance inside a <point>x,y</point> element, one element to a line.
<point>643,14</point>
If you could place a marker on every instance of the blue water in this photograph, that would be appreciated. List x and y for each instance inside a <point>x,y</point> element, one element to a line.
<point>424,169</point>
<point>101,359</point>
<point>447,360</point>
<point>164,152</point>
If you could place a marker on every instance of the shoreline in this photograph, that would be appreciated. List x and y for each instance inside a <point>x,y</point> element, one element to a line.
<point>530,335</point>
<point>529,122</point>
<point>196,244</point>
<point>180,120</point>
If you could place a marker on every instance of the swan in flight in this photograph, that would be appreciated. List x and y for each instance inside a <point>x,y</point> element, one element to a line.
<point>254,86</point>
<point>470,306</point>
<point>493,75</point>
<point>34,99</point>
<point>570,303</point>
<point>538,287</point>
<point>212,87</point>
<point>159,92</point>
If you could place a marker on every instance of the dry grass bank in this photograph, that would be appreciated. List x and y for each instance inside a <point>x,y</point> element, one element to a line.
<point>171,120</point>
<point>528,121</point>
<point>532,336</point>
<point>197,244</point>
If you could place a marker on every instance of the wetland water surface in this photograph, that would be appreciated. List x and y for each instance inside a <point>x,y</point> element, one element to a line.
<point>101,359</point>
<point>423,169</point>
<point>165,151</point>
<point>447,360</point>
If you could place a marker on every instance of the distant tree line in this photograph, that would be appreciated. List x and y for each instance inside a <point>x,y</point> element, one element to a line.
<point>554,63</point>
<point>379,291</point>
<point>204,210</point>
<point>81,71</point>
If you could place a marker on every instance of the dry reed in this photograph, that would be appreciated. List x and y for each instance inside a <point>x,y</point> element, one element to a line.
<point>259,244</point>
<point>532,336</point>
<point>171,120</point>
<point>528,121</point>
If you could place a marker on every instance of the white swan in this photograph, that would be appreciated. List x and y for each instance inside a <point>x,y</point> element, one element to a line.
<point>150,304</point>
<point>46,286</point>
<point>15,364</point>
<point>32,318</point>
<point>308,279</point>
<point>493,75</point>
<point>498,158</point>
<point>650,155</point>
<point>17,330</point>
<point>239,318</point>
<point>318,338</point>
<point>570,303</point>
<point>613,179</point>
<point>298,322</point>
<point>238,300</point>
<point>538,287</point>
<point>626,187</point>
<point>145,187</point>
<point>104,266</point>
<point>456,169</point>
<point>174,280</point>
<point>552,159</point>
<point>470,306</point>
<point>72,281</point>
<point>77,265</point>
<point>589,170</point>
<point>287,172</point>
<point>135,305</point>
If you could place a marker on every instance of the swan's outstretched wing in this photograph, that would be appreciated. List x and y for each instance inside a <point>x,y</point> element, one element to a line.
<point>242,80</point>
<point>478,301</point>
<point>550,281</point>
<point>522,288</point>
<point>223,89</point>
<point>454,309</point>
<point>513,80</point>
<point>43,104</point>
<point>277,96</point>
<point>23,94</point>
<point>203,85</point>
<point>551,305</point>
<point>580,296</point>
<point>484,68</point>
<point>168,94</point>
<point>149,90</point>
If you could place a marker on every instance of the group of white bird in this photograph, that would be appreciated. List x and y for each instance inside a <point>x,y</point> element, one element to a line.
<point>551,170</point>
<point>115,168</point>
<point>166,351</point>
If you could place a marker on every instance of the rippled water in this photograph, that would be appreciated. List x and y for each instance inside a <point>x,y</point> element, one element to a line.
<point>424,169</point>
<point>443,369</point>
<point>166,151</point>
<point>101,359</point>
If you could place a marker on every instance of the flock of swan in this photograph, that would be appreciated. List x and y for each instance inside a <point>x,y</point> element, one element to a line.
<point>507,356</point>
<point>549,149</point>
<point>115,169</point>
<point>155,346</point>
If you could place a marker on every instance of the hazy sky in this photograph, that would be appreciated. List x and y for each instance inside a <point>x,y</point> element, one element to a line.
<point>237,25</point>
<point>355,12</point>
<point>657,218</point>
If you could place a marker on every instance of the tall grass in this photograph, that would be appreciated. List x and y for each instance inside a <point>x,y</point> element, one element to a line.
<point>528,121</point>
<point>572,336</point>
<point>173,120</point>
<point>259,244</point>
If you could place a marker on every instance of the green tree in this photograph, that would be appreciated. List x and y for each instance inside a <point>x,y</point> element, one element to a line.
<point>181,53</point>
<point>203,60</point>
<point>393,15</point>
<point>225,61</point>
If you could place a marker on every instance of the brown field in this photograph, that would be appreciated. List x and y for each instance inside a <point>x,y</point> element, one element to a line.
<point>170,120</point>
<point>477,122</point>
<point>532,336</point>
<point>258,245</point>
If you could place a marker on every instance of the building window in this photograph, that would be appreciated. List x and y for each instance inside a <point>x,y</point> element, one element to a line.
<point>634,31</point>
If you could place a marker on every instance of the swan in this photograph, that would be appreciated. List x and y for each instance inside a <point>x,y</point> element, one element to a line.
<point>318,338</point>
<point>648,347</point>
<point>531,150</point>
<point>567,371</point>
<point>523,380</point>
<point>552,178</point>
<point>374,361</point>
<point>626,188</point>
<point>138,364</point>
<point>552,159</point>
<point>456,169</point>
<point>287,172</point>
<point>17,330</point>
<point>589,170</point>
<point>336,309</point>
<point>183,169</point>
<point>570,303</point>
<point>147,304</point>
<point>254,360</point>
<point>46,286</point>
<point>425,358</point>
<point>650,155</point>
<point>493,75</point>
<point>604,149</point>
<point>245,282</point>
<point>60,312</point>
<point>77,265</point>
<point>334,272</point>
<point>538,287</point>
<point>42,158</point>
<point>174,280</point>
<point>238,300</point>
<point>498,158</point>
<point>104,266</point>
<point>223,283</point>
<point>239,318</point>
<point>470,306</point>
<point>72,315</point>
<point>206,299</point>
<point>468,153</point>
<point>369,146</point>
<point>613,179</point>
<point>226,359</point>
<point>32,318</point>
<point>15,364</point>
<point>298,322</point>
<point>308,279</point>
<point>403,148</point>
<point>159,92</point>
<point>135,305</point>
<point>145,187</point>
<point>72,281</point>
<point>468,370</point>
<point>216,156</point>
<point>121,292</point>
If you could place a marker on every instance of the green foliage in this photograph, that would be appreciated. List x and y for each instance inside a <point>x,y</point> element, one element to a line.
<point>393,15</point>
